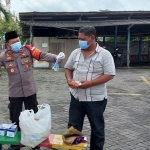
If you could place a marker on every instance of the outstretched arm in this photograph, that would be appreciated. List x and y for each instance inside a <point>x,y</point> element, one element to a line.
<point>39,55</point>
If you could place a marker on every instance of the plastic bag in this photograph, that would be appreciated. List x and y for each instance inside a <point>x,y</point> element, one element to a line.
<point>35,128</point>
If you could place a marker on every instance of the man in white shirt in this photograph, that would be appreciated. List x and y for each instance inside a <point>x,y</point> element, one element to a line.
<point>93,66</point>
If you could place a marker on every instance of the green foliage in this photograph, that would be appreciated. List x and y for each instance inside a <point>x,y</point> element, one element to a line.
<point>119,39</point>
<point>4,12</point>
<point>10,23</point>
<point>124,39</point>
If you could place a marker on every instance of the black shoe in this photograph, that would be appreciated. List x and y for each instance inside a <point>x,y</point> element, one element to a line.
<point>36,148</point>
<point>14,147</point>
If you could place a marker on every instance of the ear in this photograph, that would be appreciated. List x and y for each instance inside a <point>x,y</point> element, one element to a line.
<point>8,45</point>
<point>93,38</point>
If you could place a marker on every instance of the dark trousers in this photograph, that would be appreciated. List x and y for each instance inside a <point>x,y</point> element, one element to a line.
<point>15,107</point>
<point>16,104</point>
<point>94,111</point>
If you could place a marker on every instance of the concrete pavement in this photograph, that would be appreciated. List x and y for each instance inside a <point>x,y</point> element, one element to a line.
<point>127,115</point>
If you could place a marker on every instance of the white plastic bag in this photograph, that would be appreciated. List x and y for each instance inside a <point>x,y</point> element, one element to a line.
<point>35,128</point>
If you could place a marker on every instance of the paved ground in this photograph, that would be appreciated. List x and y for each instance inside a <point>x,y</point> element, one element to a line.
<point>127,114</point>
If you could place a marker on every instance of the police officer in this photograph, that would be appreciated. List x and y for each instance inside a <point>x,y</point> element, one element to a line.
<point>17,60</point>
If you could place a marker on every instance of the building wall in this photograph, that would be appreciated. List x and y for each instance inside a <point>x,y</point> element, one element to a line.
<point>55,46</point>
<point>41,43</point>
<point>63,45</point>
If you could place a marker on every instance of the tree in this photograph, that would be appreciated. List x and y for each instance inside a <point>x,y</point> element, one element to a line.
<point>11,24</point>
<point>4,12</point>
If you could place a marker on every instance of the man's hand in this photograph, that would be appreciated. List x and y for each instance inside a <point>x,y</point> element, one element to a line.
<point>55,57</point>
<point>60,56</point>
<point>85,84</point>
<point>100,80</point>
<point>69,81</point>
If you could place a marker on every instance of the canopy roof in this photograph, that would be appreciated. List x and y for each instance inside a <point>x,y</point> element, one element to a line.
<point>66,24</point>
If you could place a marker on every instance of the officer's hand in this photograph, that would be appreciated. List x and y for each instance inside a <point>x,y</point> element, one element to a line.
<point>55,58</point>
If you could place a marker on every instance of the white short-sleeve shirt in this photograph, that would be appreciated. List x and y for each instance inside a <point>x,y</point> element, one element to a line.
<point>98,63</point>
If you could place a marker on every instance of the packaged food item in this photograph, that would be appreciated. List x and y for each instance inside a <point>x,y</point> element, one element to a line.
<point>76,83</point>
<point>11,132</point>
<point>8,129</point>
<point>2,130</point>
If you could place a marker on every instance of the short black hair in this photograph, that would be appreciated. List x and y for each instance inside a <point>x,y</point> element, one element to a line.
<point>88,30</point>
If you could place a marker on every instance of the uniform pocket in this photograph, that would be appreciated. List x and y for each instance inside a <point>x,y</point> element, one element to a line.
<point>95,66</point>
<point>11,68</point>
<point>25,60</point>
<point>10,64</point>
<point>27,67</point>
<point>26,63</point>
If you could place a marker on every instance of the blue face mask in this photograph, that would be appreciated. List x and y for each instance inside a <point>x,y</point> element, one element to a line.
<point>16,46</point>
<point>83,44</point>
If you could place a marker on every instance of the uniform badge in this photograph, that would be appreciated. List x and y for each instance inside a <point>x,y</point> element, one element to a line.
<point>10,65</point>
<point>12,70</point>
<point>27,66</point>
<point>9,58</point>
<point>23,54</point>
<point>26,60</point>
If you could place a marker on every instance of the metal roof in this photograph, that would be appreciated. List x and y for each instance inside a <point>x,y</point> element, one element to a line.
<point>65,23</point>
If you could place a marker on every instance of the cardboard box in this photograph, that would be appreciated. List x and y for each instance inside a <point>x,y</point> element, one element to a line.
<point>11,132</point>
<point>2,130</point>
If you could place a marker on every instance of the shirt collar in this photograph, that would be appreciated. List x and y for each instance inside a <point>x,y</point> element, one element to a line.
<point>98,48</point>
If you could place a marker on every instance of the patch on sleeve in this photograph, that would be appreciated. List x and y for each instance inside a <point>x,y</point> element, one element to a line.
<point>0,56</point>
